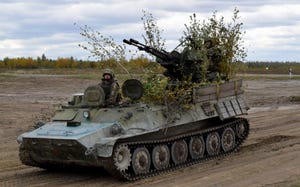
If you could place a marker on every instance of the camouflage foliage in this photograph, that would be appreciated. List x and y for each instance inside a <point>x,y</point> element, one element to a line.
<point>226,42</point>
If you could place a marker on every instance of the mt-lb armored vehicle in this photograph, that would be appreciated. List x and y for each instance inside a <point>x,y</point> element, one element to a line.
<point>134,140</point>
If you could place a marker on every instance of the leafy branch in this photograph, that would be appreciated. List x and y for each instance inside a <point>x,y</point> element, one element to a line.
<point>152,36</point>
<point>101,47</point>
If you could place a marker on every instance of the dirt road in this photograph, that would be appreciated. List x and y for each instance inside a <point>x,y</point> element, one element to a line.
<point>270,156</point>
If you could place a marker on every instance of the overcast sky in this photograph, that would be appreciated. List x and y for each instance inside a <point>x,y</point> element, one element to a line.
<point>30,28</point>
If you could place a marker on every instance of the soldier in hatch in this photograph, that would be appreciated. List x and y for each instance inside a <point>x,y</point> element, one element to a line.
<point>111,87</point>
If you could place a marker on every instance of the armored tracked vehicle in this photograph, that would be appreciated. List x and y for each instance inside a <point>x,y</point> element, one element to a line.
<point>133,140</point>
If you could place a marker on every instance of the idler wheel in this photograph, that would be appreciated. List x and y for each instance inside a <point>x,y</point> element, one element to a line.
<point>197,147</point>
<point>240,130</point>
<point>228,139</point>
<point>179,151</point>
<point>160,156</point>
<point>213,144</point>
<point>122,157</point>
<point>141,160</point>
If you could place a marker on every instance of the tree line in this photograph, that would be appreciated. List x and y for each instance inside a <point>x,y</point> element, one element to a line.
<point>135,65</point>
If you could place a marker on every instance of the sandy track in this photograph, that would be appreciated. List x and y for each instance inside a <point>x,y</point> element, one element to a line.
<point>270,156</point>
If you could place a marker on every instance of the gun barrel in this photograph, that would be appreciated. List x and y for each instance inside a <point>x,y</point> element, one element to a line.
<point>134,41</point>
<point>127,42</point>
<point>168,60</point>
<point>165,56</point>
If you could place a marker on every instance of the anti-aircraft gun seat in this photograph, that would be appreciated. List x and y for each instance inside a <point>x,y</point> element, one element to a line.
<point>94,96</point>
<point>132,89</point>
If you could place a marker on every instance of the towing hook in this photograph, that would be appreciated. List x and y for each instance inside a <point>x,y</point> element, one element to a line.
<point>90,151</point>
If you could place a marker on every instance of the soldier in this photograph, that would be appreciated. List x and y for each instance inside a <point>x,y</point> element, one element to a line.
<point>111,87</point>
<point>214,57</point>
<point>191,56</point>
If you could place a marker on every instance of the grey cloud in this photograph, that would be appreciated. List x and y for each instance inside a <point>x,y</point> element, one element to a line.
<point>35,26</point>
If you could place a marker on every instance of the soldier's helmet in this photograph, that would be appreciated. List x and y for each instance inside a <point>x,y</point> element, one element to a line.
<point>108,72</point>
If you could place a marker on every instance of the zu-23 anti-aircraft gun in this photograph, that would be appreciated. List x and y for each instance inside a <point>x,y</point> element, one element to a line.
<point>180,66</point>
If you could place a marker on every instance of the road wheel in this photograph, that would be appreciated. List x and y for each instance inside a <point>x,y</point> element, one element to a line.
<point>213,143</point>
<point>197,147</point>
<point>160,156</point>
<point>179,151</point>
<point>141,160</point>
<point>228,139</point>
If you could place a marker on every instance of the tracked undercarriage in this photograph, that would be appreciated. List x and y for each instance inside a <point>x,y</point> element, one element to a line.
<point>139,140</point>
<point>134,160</point>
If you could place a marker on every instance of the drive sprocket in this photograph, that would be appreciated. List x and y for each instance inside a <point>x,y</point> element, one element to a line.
<point>122,157</point>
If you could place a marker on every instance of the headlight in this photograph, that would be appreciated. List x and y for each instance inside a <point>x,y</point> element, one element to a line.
<point>116,129</point>
<point>86,114</point>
